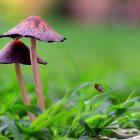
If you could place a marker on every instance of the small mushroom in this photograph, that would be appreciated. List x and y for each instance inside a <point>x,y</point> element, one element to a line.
<point>35,28</point>
<point>18,53</point>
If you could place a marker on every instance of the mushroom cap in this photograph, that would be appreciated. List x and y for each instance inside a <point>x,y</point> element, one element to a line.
<point>35,27</point>
<point>17,52</point>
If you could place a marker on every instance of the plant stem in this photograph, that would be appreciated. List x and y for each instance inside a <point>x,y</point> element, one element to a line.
<point>23,91</point>
<point>37,81</point>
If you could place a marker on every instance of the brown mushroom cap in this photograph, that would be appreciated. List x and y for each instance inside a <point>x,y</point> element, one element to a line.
<point>35,27</point>
<point>17,52</point>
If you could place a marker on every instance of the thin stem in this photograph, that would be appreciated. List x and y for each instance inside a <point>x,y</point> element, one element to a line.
<point>23,91</point>
<point>37,81</point>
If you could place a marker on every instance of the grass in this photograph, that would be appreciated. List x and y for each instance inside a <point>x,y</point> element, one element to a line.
<point>75,116</point>
<point>105,55</point>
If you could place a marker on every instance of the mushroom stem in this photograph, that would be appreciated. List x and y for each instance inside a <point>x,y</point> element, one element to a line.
<point>37,81</point>
<point>23,91</point>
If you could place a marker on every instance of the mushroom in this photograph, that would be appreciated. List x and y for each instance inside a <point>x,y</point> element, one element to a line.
<point>35,28</point>
<point>18,53</point>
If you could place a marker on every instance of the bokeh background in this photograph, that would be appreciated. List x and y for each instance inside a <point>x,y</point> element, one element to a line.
<point>102,44</point>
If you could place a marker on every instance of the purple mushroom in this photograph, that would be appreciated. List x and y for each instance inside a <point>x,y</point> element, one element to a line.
<point>18,53</point>
<point>35,27</point>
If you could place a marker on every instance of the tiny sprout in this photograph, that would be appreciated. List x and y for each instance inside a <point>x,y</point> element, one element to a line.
<point>99,87</point>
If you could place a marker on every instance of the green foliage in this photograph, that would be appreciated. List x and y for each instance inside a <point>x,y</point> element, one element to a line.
<point>78,114</point>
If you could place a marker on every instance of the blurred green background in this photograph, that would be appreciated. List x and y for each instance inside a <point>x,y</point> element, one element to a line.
<point>102,44</point>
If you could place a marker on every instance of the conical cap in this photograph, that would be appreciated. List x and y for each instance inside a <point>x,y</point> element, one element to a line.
<point>17,52</point>
<point>35,27</point>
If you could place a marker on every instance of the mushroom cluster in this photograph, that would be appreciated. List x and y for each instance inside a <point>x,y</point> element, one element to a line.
<point>35,28</point>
